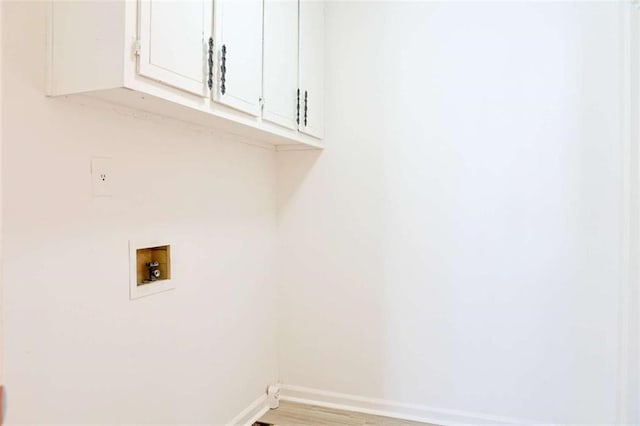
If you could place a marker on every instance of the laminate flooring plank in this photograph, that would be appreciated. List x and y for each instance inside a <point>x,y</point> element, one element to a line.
<point>293,414</point>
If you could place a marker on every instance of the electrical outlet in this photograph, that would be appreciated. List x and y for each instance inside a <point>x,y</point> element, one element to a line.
<point>102,177</point>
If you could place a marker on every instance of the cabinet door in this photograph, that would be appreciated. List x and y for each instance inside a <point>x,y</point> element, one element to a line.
<point>312,67</point>
<point>280,73</point>
<point>238,27</point>
<point>172,37</point>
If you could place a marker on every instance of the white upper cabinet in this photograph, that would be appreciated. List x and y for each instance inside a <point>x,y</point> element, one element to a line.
<point>232,66</point>
<point>280,81</point>
<point>172,42</point>
<point>238,39</point>
<point>311,67</point>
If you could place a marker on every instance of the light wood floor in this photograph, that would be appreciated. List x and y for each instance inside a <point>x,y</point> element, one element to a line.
<point>291,414</point>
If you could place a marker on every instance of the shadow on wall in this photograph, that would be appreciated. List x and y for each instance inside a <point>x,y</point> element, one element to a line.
<point>296,171</point>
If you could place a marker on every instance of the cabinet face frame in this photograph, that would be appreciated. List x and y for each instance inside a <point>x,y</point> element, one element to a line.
<point>147,68</point>
<point>251,104</point>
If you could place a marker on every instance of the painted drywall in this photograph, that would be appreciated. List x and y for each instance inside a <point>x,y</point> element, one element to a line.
<point>632,406</point>
<point>77,350</point>
<point>1,287</point>
<point>629,402</point>
<point>458,244</point>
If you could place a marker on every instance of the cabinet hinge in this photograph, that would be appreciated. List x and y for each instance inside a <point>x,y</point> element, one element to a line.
<point>261,103</point>
<point>136,47</point>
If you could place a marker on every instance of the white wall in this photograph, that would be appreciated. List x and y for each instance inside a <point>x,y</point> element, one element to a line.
<point>1,287</point>
<point>630,361</point>
<point>458,244</point>
<point>76,349</point>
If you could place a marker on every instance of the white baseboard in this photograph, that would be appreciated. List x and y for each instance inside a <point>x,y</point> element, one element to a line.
<point>252,413</point>
<point>398,410</point>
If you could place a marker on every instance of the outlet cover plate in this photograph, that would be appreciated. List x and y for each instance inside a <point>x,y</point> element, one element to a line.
<point>101,176</point>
